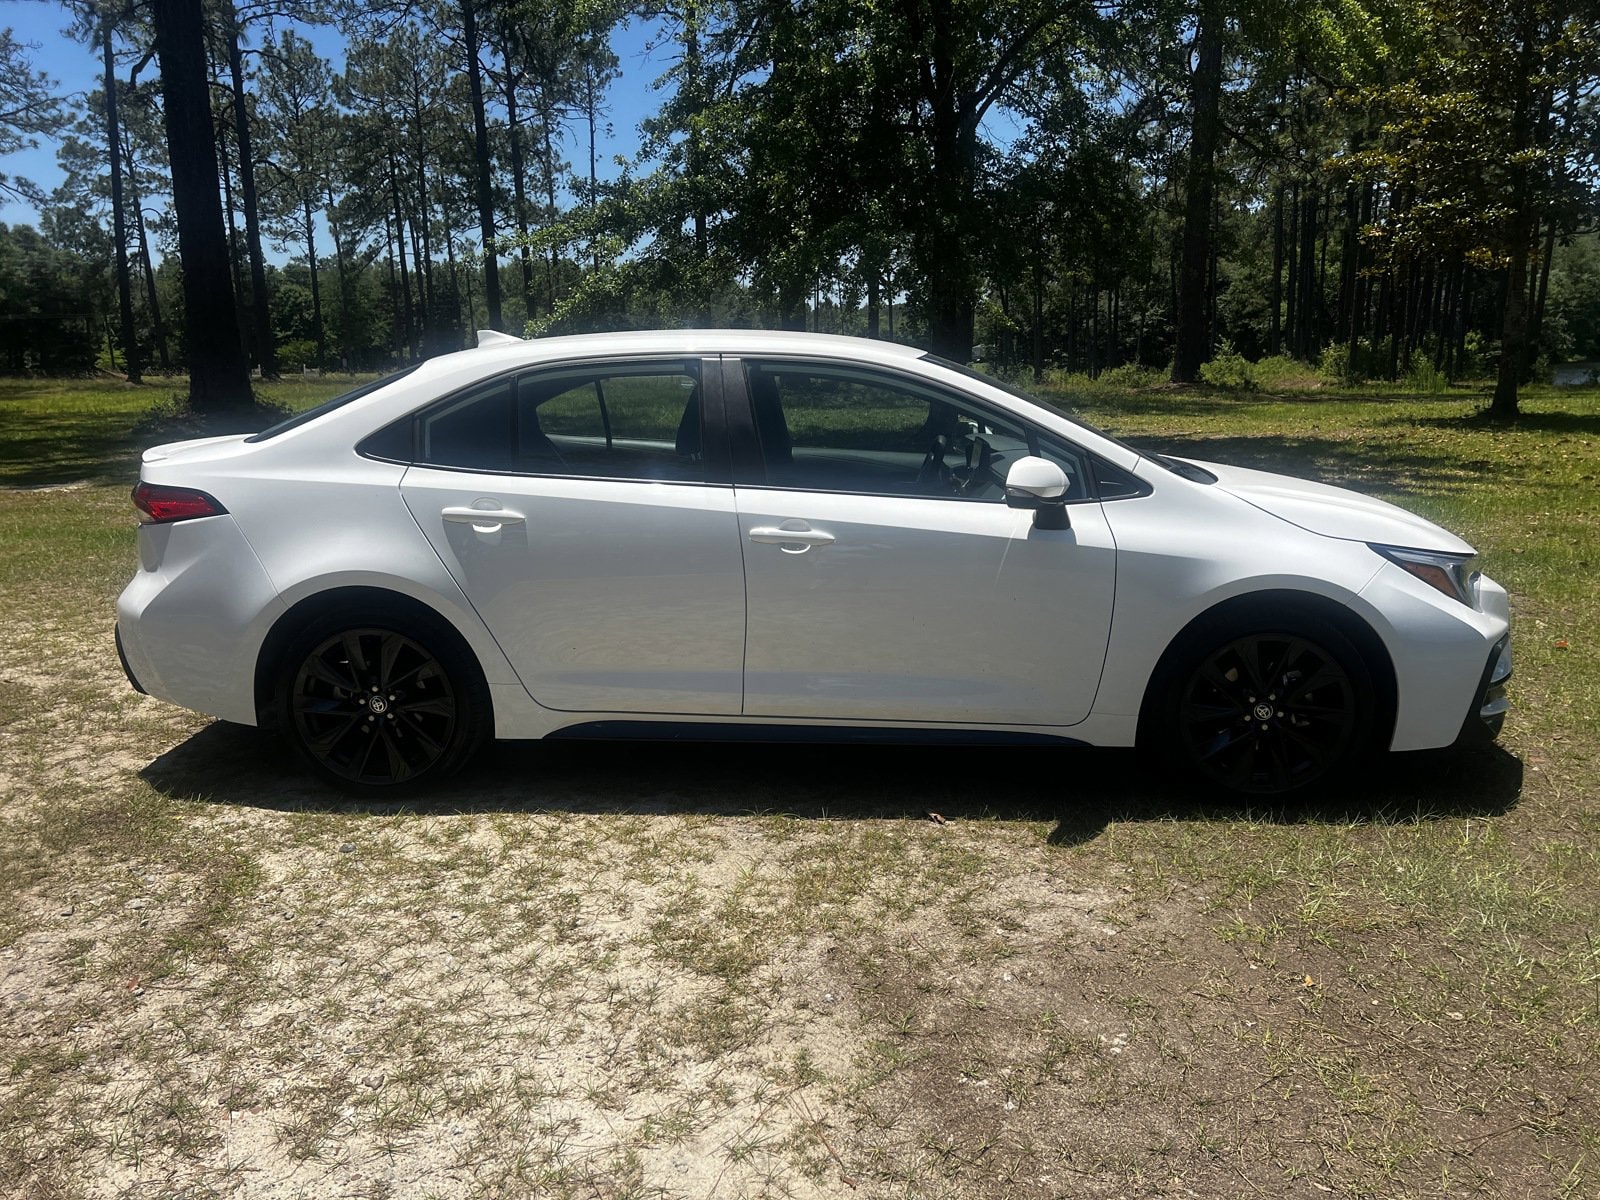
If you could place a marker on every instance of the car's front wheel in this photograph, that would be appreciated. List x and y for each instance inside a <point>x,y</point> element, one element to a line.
<point>1269,711</point>
<point>380,703</point>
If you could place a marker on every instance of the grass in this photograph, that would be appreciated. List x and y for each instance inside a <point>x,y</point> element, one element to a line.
<point>680,972</point>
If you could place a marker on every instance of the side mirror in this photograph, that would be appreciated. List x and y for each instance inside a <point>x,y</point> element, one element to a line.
<point>1041,485</point>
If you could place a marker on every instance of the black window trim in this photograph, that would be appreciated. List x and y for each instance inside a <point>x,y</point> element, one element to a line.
<point>713,426</point>
<point>749,467</point>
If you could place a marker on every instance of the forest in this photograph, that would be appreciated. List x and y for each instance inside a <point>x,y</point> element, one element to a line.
<point>1399,190</point>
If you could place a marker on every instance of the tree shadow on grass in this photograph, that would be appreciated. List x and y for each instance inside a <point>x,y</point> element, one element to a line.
<point>1081,791</point>
<point>1345,463</point>
<point>48,447</point>
<point>1187,403</point>
<point>1583,424</point>
<point>44,449</point>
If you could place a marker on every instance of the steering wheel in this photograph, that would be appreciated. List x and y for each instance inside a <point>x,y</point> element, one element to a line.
<point>933,470</point>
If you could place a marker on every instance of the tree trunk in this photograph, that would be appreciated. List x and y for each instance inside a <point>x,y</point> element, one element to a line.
<point>1541,293</point>
<point>344,284</point>
<point>548,118</point>
<point>792,305</point>
<point>519,188</point>
<point>219,374</point>
<point>233,244</point>
<point>692,75</point>
<point>405,279</point>
<point>1519,231</point>
<point>1205,96</point>
<point>396,344</point>
<point>158,326</point>
<point>1275,300</point>
<point>480,133</point>
<point>260,303</point>
<point>130,336</point>
<point>319,335</point>
<point>1038,315</point>
<point>1305,334</point>
<point>591,106</point>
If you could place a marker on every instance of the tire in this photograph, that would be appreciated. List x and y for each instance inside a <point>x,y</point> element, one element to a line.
<point>1284,708</point>
<point>380,703</point>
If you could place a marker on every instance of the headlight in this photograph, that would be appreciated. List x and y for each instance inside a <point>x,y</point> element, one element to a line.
<point>1456,575</point>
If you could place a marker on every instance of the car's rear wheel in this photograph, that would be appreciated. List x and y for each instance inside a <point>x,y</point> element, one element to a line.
<point>380,704</point>
<point>1270,712</point>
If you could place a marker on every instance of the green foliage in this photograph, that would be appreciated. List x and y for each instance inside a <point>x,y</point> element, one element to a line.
<point>1425,378</point>
<point>29,108</point>
<point>295,356</point>
<point>1282,373</point>
<point>1228,371</point>
<point>1007,173</point>
<point>1132,377</point>
<point>50,299</point>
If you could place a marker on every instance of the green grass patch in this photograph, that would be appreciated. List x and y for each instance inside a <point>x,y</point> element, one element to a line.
<point>673,971</point>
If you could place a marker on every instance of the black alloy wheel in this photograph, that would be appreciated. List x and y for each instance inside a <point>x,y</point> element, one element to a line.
<point>374,707</point>
<point>1271,713</point>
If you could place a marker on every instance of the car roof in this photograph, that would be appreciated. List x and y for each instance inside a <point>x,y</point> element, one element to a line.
<point>502,351</point>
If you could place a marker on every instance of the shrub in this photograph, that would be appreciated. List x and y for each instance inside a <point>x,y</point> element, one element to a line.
<point>1131,377</point>
<point>1370,362</point>
<point>1282,372</point>
<point>297,354</point>
<point>1425,377</point>
<point>1228,370</point>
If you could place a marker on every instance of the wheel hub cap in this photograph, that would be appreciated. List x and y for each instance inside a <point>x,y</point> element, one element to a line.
<point>378,705</point>
<point>1263,712</point>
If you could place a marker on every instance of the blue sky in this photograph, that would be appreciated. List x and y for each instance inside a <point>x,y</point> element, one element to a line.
<point>75,68</point>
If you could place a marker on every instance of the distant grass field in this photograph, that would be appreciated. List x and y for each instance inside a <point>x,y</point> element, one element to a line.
<point>674,971</point>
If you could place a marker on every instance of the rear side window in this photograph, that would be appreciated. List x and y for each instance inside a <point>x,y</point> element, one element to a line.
<point>473,430</point>
<point>615,421</point>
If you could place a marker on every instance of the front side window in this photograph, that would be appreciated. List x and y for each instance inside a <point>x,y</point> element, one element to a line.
<point>617,421</point>
<point>823,428</point>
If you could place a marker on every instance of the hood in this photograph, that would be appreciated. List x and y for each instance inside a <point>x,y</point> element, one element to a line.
<point>172,450</point>
<point>1334,512</point>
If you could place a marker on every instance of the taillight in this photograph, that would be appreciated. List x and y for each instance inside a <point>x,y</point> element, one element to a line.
<point>158,505</point>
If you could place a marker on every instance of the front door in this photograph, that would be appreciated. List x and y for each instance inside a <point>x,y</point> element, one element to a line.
<point>885,577</point>
<point>577,510</point>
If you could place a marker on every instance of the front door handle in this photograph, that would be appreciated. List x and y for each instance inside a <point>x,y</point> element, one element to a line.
<point>777,535</point>
<point>482,519</point>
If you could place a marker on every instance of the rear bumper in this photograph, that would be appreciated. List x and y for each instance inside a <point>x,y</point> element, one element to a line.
<point>122,657</point>
<point>191,621</point>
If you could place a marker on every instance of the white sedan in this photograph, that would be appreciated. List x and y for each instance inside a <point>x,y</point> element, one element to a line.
<point>761,535</point>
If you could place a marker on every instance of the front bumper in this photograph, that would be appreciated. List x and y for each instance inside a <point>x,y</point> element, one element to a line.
<point>1488,717</point>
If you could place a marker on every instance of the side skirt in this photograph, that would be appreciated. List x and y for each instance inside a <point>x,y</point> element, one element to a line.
<point>694,731</point>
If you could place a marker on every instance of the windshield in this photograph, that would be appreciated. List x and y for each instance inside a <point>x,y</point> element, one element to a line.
<point>327,406</point>
<point>1014,390</point>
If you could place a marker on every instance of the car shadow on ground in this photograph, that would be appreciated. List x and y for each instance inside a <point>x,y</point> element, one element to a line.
<point>1081,792</point>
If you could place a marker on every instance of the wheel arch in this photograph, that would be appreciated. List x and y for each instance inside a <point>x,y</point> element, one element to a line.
<point>364,602</point>
<point>1255,611</point>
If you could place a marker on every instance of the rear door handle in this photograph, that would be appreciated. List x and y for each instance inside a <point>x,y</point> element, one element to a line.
<point>482,517</point>
<point>773,535</point>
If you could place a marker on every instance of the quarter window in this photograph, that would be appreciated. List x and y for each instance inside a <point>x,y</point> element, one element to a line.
<point>618,422</point>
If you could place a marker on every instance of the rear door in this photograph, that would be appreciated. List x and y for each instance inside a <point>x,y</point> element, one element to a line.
<point>581,513</point>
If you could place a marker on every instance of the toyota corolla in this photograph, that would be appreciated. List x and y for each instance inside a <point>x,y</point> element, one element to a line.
<point>724,534</point>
